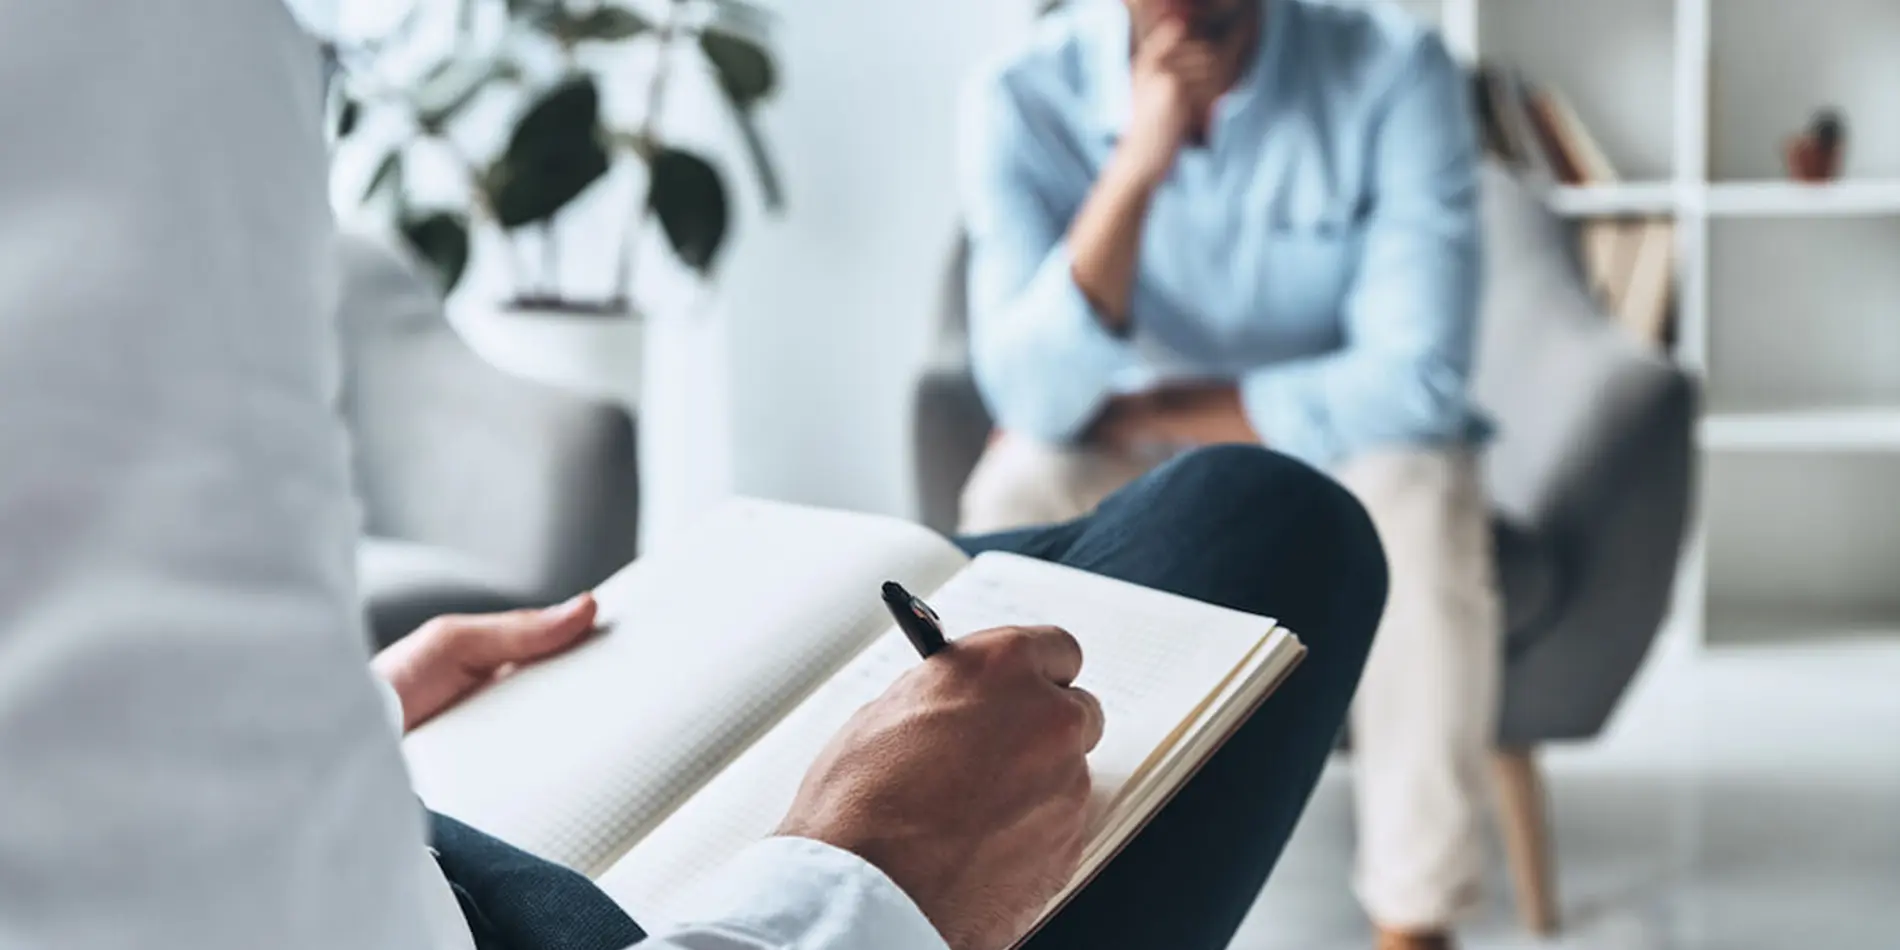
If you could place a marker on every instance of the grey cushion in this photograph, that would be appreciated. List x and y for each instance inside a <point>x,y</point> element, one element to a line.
<point>404,584</point>
<point>538,484</point>
<point>1530,579</point>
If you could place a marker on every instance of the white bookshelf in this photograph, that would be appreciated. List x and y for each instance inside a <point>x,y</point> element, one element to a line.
<point>1787,199</point>
<point>1788,294</point>
<point>1636,198</point>
<point>1803,430</point>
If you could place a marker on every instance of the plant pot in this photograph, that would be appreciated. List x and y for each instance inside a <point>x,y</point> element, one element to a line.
<point>593,354</point>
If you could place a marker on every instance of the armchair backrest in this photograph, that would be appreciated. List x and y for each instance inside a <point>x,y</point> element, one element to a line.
<point>1579,404</point>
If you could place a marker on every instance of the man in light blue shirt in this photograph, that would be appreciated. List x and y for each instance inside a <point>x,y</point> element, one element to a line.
<point>1255,221</point>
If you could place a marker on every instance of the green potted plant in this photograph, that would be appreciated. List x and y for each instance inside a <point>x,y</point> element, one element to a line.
<point>497,159</point>
<point>547,53</point>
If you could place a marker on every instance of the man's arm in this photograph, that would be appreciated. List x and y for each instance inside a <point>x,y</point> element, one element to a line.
<point>1173,81</point>
<point>1051,299</point>
<point>1411,315</point>
<point>1043,356</point>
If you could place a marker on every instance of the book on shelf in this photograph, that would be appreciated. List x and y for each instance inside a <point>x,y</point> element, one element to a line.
<point>686,727</point>
<point>1610,248</point>
<point>1629,264</point>
<point>1649,291</point>
<point>1573,139</point>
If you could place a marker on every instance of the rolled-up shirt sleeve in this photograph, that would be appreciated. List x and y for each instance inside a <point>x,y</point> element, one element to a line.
<point>796,894</point>
<point>1043,359</point>
<point>1410,318</point>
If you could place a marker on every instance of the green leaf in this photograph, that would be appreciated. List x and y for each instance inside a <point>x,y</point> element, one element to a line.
<point>605,24</point>
<point>570,111</point>
<point>610,24</point>
<point>744,68</point>
<point>452,85</point>
<point>441,240</point>
<point>555,152</point>
<point>689,198</point>
<point>347,117</point>
<point>388,174</point>
<point>523,195</point>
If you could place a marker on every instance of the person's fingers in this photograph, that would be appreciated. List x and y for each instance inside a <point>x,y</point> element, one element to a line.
<point>1162,40</point>
<point>1054,653</point>
<point>1094,720</point>
<point>1193,57</point>
<point>521,636</point>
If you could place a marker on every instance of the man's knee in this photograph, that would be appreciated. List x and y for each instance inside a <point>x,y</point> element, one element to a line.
<point>1251,495</point>
<point>1240,484</point>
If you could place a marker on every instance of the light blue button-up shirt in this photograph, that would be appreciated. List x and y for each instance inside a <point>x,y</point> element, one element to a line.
<point>1322,250</point>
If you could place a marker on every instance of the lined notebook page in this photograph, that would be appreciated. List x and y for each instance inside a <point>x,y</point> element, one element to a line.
<point>707,644</point>
<point>1152,658</point>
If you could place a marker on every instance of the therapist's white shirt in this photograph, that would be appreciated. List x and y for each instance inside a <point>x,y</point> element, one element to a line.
<point>191,751</point>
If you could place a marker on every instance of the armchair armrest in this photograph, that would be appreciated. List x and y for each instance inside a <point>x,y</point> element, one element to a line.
<point>950,427</point>
<point>1616,508</point>
<point>538,484</point>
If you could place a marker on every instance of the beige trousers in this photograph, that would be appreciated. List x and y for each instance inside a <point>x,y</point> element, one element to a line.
<point>1423,718</point>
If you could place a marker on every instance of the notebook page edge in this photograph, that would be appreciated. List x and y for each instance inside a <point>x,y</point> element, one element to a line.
<point>1275,666</point>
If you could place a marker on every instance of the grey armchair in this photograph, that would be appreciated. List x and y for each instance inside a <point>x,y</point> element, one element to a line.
<point>1590,479</point>
<point>480,490</point>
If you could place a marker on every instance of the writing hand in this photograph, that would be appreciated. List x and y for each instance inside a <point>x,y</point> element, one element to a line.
<point>966,783</point>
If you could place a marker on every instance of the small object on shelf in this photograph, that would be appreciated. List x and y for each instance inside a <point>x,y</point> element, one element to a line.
<point>1815,156</point>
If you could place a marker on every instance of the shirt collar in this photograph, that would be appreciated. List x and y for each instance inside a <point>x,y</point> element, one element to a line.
<point>1108,45</point>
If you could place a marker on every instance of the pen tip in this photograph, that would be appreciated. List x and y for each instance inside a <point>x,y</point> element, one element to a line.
<point>894,589</point>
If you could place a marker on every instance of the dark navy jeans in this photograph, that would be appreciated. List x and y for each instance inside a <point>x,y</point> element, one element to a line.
<point>1235,526</point>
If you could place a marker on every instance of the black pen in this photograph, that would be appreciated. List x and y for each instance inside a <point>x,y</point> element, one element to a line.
<point>916,619</point>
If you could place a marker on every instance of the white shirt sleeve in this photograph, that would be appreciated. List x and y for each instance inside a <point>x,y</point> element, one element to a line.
<point>796,894</point>
<point>191,754</point>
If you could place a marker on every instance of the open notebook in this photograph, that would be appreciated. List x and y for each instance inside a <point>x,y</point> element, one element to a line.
<point>651,754</point>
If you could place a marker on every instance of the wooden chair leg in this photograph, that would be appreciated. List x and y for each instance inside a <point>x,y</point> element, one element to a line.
<point>1523,812</point>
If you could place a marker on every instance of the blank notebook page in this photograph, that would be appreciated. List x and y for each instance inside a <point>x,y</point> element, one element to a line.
<point>1152,658</point>
<point>707,644</point>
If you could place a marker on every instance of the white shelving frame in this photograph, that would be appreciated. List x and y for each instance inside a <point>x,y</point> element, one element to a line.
<point>1847,442</point>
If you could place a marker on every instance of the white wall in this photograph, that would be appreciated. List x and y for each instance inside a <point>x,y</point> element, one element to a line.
<point>831,307</point>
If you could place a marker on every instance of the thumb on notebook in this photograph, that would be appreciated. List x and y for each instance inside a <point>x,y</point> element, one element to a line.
<point>450,657</point>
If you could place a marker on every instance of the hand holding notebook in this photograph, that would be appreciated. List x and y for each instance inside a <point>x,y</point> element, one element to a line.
<point>657,752</point>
